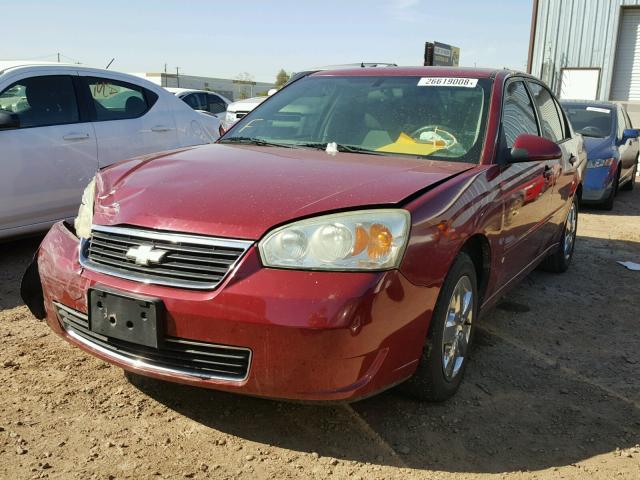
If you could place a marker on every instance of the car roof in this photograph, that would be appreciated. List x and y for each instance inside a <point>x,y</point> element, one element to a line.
<point>185,90</point>
<point>412,72</point>
<point>17,66</point>
<point>9,64</point>
<point>593,103</point>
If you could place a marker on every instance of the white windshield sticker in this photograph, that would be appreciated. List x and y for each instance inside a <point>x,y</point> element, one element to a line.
<point>598,109</point>
<point>447,82</point>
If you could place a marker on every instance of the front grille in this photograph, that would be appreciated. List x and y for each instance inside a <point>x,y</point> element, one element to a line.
<point>176,355</point>
<point>189,261</point>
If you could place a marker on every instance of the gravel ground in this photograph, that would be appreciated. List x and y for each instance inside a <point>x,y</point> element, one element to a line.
<point>553,392</point>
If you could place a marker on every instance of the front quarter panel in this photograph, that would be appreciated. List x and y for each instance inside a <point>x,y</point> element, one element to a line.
<point>445,218</point>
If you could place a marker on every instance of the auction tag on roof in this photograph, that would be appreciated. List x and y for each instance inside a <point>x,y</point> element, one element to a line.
<point>447,82</point>
<point>598,109</point>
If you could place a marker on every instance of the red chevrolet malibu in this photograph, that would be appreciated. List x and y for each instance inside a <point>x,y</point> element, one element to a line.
<point>342,238</point>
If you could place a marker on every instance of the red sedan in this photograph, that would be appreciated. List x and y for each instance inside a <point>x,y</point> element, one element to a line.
<point>342,238</point>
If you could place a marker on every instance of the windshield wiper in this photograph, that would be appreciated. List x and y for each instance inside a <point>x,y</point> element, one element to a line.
<point>340,148</point>
<point>255,141</point>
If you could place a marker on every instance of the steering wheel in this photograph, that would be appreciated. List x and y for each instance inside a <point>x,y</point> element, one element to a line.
<point>437,133</point>
<point>592,131</point>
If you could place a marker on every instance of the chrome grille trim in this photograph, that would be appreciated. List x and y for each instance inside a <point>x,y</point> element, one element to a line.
<point>76,325</point>
<point>191,263</point>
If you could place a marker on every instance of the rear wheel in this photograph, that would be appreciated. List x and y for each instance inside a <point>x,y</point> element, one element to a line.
<point>446,350</point>
<point>560,260</point>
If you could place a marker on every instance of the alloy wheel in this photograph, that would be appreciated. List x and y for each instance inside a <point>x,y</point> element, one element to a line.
<point>457,328</point>
<point>570,231</point>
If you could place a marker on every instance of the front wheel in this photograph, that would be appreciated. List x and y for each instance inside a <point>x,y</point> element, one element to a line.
<point>608,203</point>
<point>560,260</point>
<point>446,350</point>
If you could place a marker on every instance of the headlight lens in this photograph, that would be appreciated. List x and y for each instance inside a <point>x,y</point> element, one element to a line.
<point>84,219</point>
<point>599,162</point>
<point>361,240</point>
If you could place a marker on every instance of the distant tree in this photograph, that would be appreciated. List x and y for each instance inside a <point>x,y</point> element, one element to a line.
<point>244,77</point>
<point>281,78</point>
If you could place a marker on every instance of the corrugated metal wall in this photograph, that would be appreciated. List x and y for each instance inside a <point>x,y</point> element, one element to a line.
<point>577,34</point>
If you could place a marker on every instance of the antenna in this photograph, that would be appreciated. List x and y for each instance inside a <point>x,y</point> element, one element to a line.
<point>109,64</point>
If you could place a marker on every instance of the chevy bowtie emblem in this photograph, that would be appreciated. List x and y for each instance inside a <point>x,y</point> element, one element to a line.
<point>145,254</point>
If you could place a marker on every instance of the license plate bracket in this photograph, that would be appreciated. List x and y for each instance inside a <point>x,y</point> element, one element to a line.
<point>131,318</point>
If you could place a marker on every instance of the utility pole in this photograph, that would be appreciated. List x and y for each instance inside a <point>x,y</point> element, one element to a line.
<point>178,76</point>
<point>58,57</point>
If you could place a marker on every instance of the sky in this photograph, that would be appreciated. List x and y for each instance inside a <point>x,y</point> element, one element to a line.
<point>228,38</point>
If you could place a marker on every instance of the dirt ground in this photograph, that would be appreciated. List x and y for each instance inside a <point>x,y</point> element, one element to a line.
<point>552,391</point>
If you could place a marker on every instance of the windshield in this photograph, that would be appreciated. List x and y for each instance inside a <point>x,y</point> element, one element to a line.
<point>435,118</point>
<point>590,121</point>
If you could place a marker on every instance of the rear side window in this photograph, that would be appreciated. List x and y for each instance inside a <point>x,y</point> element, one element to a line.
<point>116,100</point>
<point>518,116</point>
<point>549,119</point>
<point>197,101</point>
<point>42,101</point>
<point>216,104</point>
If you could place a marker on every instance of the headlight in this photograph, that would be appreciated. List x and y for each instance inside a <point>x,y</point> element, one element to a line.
<point>230,117</point>
<point>600,162</point>
<point>361,240</point>
<point>84,219</point>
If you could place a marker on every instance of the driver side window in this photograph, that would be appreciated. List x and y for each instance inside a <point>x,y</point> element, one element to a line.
<point>42,101</point>
<point>518,116</point>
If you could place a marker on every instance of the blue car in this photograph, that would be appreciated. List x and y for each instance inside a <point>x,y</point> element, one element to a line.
<point>612,148</point>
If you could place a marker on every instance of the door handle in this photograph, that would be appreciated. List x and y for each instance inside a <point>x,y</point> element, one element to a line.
<point>573,159</point>
<point>548,171</point>
<point>161,128</point>
<point>75,136</point>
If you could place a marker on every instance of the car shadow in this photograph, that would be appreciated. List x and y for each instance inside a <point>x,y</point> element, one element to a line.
<point>552,381</point>
<point>15,256</point>
<point>626,203</point>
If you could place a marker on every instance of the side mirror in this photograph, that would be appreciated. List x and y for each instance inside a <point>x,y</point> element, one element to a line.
<point>271,91</point>
<point>9,120</point>
<point>629,133</point>
<point>531,148</point>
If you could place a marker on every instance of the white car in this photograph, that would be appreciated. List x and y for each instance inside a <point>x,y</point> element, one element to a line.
<point>60,123</point>
<point>210,103</point>
<point>237,110</point>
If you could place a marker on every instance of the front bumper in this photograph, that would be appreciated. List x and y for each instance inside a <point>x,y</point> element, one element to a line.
<point>598,183</point>
<point>312,335</point>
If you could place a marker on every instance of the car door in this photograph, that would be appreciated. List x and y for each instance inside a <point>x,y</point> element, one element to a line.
<point>636,150</point>
<point>48,160</point>
<point>129,120</point>
<point>561,173</point>
<point>627,147</point>
<point>524,186</point>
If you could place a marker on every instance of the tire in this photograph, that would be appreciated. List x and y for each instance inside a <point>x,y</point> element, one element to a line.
<point>632,181</point>
<point>559,261</point>
<point>430,382</point>
<point>608,203</point>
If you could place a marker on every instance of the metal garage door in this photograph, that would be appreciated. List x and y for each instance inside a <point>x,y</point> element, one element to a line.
<point>626,73</point>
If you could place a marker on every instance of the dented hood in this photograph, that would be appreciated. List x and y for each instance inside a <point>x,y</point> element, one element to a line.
<point>243,191</point>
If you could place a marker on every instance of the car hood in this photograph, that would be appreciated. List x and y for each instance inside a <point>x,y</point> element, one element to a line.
<point>246,104</point>
<point>598,147</point>
<point>243,191</point>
